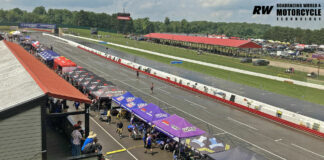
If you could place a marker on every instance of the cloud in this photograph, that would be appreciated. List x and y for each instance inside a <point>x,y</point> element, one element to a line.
<point>157,10</point>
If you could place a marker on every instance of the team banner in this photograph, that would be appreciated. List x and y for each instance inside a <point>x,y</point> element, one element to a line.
<point>37,25</point>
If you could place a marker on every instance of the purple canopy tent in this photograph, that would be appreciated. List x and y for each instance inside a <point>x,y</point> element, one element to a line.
<point>127,97</point>
<point>150,113</point>
<point>177,127</point>
<point>134,104</point>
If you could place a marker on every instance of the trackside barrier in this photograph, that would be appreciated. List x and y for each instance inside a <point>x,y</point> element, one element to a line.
<point>279,115</point>
<point>296,82</point>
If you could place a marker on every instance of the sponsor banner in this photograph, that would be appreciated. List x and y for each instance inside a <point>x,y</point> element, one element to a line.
<point>37,25</point>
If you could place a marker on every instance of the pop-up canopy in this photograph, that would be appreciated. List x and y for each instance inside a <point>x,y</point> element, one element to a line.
<point>128,97</point>
<point>107,92</point>
<point>134,104</point>
<point>63,62</point>
<point>150,113</point>
<point>177,127</point>
<point>205,144</point>
<point>48,55</point>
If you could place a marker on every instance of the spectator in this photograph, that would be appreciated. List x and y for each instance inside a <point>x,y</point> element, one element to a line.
<point>65,106</point>
<point>79,124</point>
<point>92,136</point>
<point>130,129</point>
<point>120,128</point>
<point>144,141</point>
<point>152,87</point>
<point>94,147</point>
<point>108,116</point>
<point>58,106</point>
<point>149,143</point>
<point>76,105</point>
<point>76,141</point>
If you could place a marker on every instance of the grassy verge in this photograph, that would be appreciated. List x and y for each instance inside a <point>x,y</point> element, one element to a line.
<point>300,92</point>
<point>4,28</point>
<point>190,54</point>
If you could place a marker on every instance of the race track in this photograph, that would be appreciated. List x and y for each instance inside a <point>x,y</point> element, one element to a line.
<point>234,127</point>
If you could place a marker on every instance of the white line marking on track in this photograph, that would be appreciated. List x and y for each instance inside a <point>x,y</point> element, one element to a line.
<point>229,118</point>
<point>196,104</point>
<point>113,138</point>
<point>164,91</point>
<point>193,116</point>
<point>302,148</point>
<point>277,140</point>
<point>219,133</point>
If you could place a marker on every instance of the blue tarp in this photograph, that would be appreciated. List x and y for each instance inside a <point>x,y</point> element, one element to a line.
<point>124,98</point>
<point>133,103</point>
<point>48,55</point>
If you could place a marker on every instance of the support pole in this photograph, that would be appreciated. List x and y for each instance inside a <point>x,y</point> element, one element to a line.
<point>86,119</point>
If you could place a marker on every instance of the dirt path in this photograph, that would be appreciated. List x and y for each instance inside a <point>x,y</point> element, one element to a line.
<point>297,67</point>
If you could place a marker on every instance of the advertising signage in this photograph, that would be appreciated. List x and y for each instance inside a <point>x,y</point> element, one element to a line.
<point>37,25</point>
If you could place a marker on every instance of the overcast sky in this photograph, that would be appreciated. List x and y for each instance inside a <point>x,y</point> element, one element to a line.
<point>192,10</point>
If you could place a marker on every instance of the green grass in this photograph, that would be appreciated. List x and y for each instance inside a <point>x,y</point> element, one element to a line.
<point>190,54</point>
<point>300,92</point>
<point>4,28</point>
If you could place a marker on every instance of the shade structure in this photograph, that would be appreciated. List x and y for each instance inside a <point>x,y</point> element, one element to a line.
<point>51,84</point>
<point>85,81</point>
<point>205,144</point>
<point>63,62</point>
<point>237,153</point>
<point>35,44</point>
<point>205,40</point>
<point>91,86</point>
<point>48,55</point>
<point>77,78</point>
<point>177,127</point>
<point>75,71</point>
<point>150,113</point>
<point>134,104</point>
<point>107,92</point>
<point>128,97</point>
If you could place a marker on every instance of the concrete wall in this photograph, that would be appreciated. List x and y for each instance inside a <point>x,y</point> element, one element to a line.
<point>289,118</point>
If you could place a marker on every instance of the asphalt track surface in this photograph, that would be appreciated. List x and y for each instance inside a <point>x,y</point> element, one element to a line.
<point>234,127</point>
<point>289,103</point>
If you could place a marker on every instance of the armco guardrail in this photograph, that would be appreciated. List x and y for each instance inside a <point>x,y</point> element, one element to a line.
<point>280,115</point>
<point>296,82</point>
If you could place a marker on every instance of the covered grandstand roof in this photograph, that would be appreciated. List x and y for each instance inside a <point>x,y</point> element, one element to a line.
<point>27,78</point>
<point>205,40</point>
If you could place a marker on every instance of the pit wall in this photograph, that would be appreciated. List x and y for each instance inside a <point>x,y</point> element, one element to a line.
<point>276,114</point>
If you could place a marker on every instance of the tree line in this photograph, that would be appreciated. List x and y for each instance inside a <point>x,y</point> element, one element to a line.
<point>107,22</point>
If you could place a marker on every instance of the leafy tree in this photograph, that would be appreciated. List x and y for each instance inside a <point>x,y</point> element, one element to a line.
<point>39,10</point>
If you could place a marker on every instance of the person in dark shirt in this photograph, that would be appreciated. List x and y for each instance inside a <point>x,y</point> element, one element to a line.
<point>149,143</point>
<point>120,128</point>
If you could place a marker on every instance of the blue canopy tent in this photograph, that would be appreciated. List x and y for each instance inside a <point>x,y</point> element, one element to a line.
<point>134,104</point>
<point>48,57</point>
<point>127,97</point>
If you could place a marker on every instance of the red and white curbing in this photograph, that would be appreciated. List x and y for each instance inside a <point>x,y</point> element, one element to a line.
<point>287,118</point>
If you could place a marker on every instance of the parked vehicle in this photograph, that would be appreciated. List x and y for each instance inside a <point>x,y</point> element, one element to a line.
<point>261,62</point>
<point>312,74</point>
<point>246,60</point>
